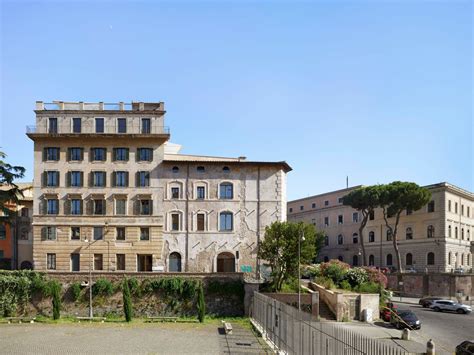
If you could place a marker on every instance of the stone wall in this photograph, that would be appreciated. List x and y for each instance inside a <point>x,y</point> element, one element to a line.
<point>309,301</point>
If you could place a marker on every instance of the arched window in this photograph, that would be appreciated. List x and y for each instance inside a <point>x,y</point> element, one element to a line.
<point>450,258</point>
<point>468,259</point>
<point>409,259</point>
<point>355,260</point>
<point>175,169</point>
<point>456,260</point>
<point>389,260</point>
<point>340,258</point>
<point>449,232</point>
<point>468,235</point>
<point>462,233</point>
<point>340,239</point>
<point>355,238</point>
<point>389,235</point>
<point>431,258</point>
<point>226,191</point>
<point>409,233</point>
<point>26,265</point>
<point>371,260</point>
<point>430,231</point>
<point>226,221</point>
<point>225,169</point>
<point>456,232</point>
<point>174,262</point>
<point>371,237</point>
<point>326,240</point>
<point>225,262</point>
<point>326,259</point>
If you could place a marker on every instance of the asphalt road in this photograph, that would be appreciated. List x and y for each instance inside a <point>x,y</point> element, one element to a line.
<point>446,329</point>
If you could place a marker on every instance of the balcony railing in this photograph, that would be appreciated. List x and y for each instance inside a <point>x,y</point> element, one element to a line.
<point>99,106</point>
<point>108,129</point>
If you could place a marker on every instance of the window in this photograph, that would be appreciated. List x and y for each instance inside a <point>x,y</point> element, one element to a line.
<point>340,258</point>
<point>301,208</point>
<point>3,232</point>
<point>313,221</point>
<point>98,178</point>
<point>200,219</point>
<point>455,207</point>
<point>355,260</point>
<point>75,178</point>
<point>145,207</point>
<point>99,125</point>
<point>371,215</point>
<point>389,260</point>
<point>389,235</point>
<point>340,200</point>
<point>226,221</point>
<point>175,169</point>
<point>449,205</point>
<point>98,233</point>
<point>226,191</point>
<point>48,233</point>
<point>371,237</point>
<point>51,154</point>
<point>174,262</point>
<point>146,126</point>
<point>226,169</point>
<point>121,125</point>
<point>468,211</point>
<point>53,125</point>
<point>200,169</point>
<point>431,206</point>
<point>53,206</point>
<point>326,221</point>
<point>75,262</point>
<point>291,210</point>
<point>409,259</point>
<point>450,258</point>
<point>25,212</point>
<point>462,233</point>
<point>326,203</point>
<point>75,233</point>
<point>355,238</point>
<point>462,259</point>
<point>76,206</point>
<point>51,261</point>
<point>75,154</point>
<point>449,231</point>
<point>468,235</point>
<point>120,262</point>
<point>462,210</point>
<point>430,231</point>
<point>175,192</point>
<point>201,192</point>
<point>326,259</point>
<point>431,258</point>
<point>52,178</point>
<point>355,217</point>
<point>409,233</point>
<point>175,222</point>
<point>326,240</point>
<point>120,206</point>
<point>145,154</point>
<point>98,207</point>
<point>340,219</point>
<point>143,179</point>
<point>313,205</point>
<point>98,154</point>
<point>340,239</point>
<point>76,125</point>
<point>456,232</point>
<point>120,233</point>
<point>98,262</point>
<point>371,260</point>
<point>409,211</point>
<point>121,179</point>
<point>144,233</point>
<point>121,154</point>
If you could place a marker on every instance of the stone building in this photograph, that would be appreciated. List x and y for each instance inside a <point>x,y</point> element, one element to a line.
<point>436,238</point>
<point>111,193</point>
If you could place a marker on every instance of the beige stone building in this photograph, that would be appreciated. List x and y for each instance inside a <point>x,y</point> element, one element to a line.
<point>436,238</point>
<point>112,193</point>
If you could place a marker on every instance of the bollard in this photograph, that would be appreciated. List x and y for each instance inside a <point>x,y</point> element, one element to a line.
<point>430,347</point>
<point>405,334</point>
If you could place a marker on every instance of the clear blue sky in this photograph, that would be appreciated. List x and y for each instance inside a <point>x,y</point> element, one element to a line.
<point>376,90</point>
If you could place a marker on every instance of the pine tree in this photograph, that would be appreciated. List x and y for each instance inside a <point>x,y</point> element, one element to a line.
<point>127,301</point>
<point>201,304</point>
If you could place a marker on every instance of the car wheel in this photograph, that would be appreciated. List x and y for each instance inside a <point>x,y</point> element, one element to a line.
<point>436,309</point>
<point>461,311</point>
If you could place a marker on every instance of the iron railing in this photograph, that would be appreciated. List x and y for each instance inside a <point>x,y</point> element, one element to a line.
<point>108,129</point>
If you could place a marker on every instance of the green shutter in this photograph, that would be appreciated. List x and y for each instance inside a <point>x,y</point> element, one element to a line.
<point>82,179</point>
<point>68,179</point>
<point>126,179</point>
<point>114,154</point>
<point>113,177</point>
<point>127,154</point>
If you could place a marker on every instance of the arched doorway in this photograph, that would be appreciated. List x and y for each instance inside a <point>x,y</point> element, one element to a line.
<point>26,265</point>
<point>355,260</point>
<point>174,264</point>
<point>371,260</point>
<point>225,262</point>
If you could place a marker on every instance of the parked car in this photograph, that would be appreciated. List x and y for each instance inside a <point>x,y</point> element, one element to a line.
<point>465,348</point>
<point>410,270</point>
<point>386,312</point>
<point>459,270</point>
<point>448,305</point>
<point>405,319</point>
<point>425,302</point>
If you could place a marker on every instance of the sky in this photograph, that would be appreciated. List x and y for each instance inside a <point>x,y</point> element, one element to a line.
<point>373,90</point>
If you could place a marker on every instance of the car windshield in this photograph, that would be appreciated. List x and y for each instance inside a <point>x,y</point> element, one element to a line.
<point>408,315</point>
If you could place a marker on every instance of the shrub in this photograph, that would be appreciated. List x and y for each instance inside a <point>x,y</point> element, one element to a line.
<point>134,286</point>
<point>324,266</point>
<point>369,287</point>
<point>75,291</point>
<point>227,288</point>
<point>336,273</point>
<point>310,271</point>
<point>127,301</point>
<point>55,289</point>
<point>356,276</point>
<point>103,287</point>
<point>201,304</point>
<point>325,282</point>
<point>374,275</point>
<point>345,285</point>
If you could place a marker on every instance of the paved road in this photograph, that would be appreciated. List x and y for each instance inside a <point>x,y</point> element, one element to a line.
<point>446,329</point>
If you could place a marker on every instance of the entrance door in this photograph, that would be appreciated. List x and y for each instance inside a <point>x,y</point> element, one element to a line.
<point>144,262</point>
<point>175,262</point>
<point>225,262</point>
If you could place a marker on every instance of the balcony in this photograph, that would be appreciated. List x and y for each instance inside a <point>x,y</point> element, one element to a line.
<point>99,106</point>
<point>109,129</point>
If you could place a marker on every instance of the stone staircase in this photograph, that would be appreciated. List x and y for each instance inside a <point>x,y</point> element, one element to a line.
<point>325,312</point>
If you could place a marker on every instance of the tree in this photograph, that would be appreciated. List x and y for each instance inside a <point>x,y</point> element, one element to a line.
<point>365,200</point>
<point>8,174</point>
<point>201,304</point>
<point>395,198</point>
<point>280,249</point>
<point>127,301</point>
<point>56,295</point>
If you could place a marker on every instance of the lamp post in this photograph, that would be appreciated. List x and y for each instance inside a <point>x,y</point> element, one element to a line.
<point>89,241</point>
<point>300,238</point>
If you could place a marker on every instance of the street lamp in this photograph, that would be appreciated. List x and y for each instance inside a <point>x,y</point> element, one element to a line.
<point>300,238</point>
<point>89,241</point>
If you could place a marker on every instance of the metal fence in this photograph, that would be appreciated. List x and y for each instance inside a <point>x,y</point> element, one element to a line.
<point>296,332</point>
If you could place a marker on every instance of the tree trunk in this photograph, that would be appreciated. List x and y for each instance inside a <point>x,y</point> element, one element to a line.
<point>394,232</point>
<point>361,236</point>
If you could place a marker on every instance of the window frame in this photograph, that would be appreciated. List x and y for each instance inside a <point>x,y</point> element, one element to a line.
<point>226,216</point>
<point>50,261</point>
<point>121,125</point>
<point>224,188</point>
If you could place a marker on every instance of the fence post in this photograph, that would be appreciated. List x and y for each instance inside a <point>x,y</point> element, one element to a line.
<point>430,347</point>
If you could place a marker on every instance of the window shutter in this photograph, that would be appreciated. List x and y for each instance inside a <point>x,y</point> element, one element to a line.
<point>136,207</point>
<point>69,154</point>
<point>57,178</point>
<point>91,154</point>
<point>82,154</point>
<point>114,154</point>
<point>82,179</point>
<point>137,155</point>
<point>67,207</point>
<point>137,179</point>
<point>44,154</point>
<point>89,204</point>
<point>150,154</point>
<point>151,207</point>
<point>53,234</point>
<point>104,207</point>
<point>114,179</point>
<point>81,207</point>
<point>126,179</point>
<point>68,179</point>
<point>43,233</point>
<point>126,154</point>
<point>104,177</point>
<point>91,179</point>
<point>45,177</point>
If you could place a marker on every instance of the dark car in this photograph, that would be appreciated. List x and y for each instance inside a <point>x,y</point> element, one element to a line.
<point>465,348</point>
<point>425,302</point>
<point>405,319</point>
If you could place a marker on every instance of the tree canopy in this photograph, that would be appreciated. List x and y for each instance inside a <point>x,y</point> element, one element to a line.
<point>10,192</point>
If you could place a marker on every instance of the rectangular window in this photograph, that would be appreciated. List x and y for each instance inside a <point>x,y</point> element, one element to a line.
<point>98,233</point>
<point>409,212</point>
<point>340,199</point>
<point>462,210</point>
<point>76,125</point>
<point>52,178</point>
<point>53,125</point>
<point>313,205</point>
<point>175,222</point>
<point>326,221</point>
<point>53,206</point>
<point>3,232</point>
<point>76,206</point>
<point>121,178</point>
<point>340,219</point>
<point>99,207</point>
<point>301,208</point>
<point>431,206</point>
<point>201,193</point>
<point>120,233</point>
<point>75,262</point>
<point>449,205</point>
<point>355,217</point>
<point>175,192</point>
<point>76,154</point>
<point>98,178</point>
<point>145,154</point>
<point>143,178</point>
<point>121,125</point>
<point>51,154</point>
<point>49,233</point>
<point>98,262</point>
<point>326,203</point>
<point>455,207</point>
<point>99,125</point>
<point>226,191</point>
<point>75,233</point>
<point>120,262</point>
<point>226,221</point>
<point>98,154</point>
<point>76,178</point>
<point>121,154</point>
<point>200,221</point>
<point>145,207</point>
<point>51,261</point>
<point>371,215</point>
<point>144,233</point>
<point>120,207</point>
<point>146,126</point>
<point>24,212</point>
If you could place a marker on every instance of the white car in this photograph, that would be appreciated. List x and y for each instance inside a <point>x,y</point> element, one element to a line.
<point>448,305</point>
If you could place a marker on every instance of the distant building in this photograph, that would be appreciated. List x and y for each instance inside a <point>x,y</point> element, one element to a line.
<point>437,237</point>
<point>106,173</point>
